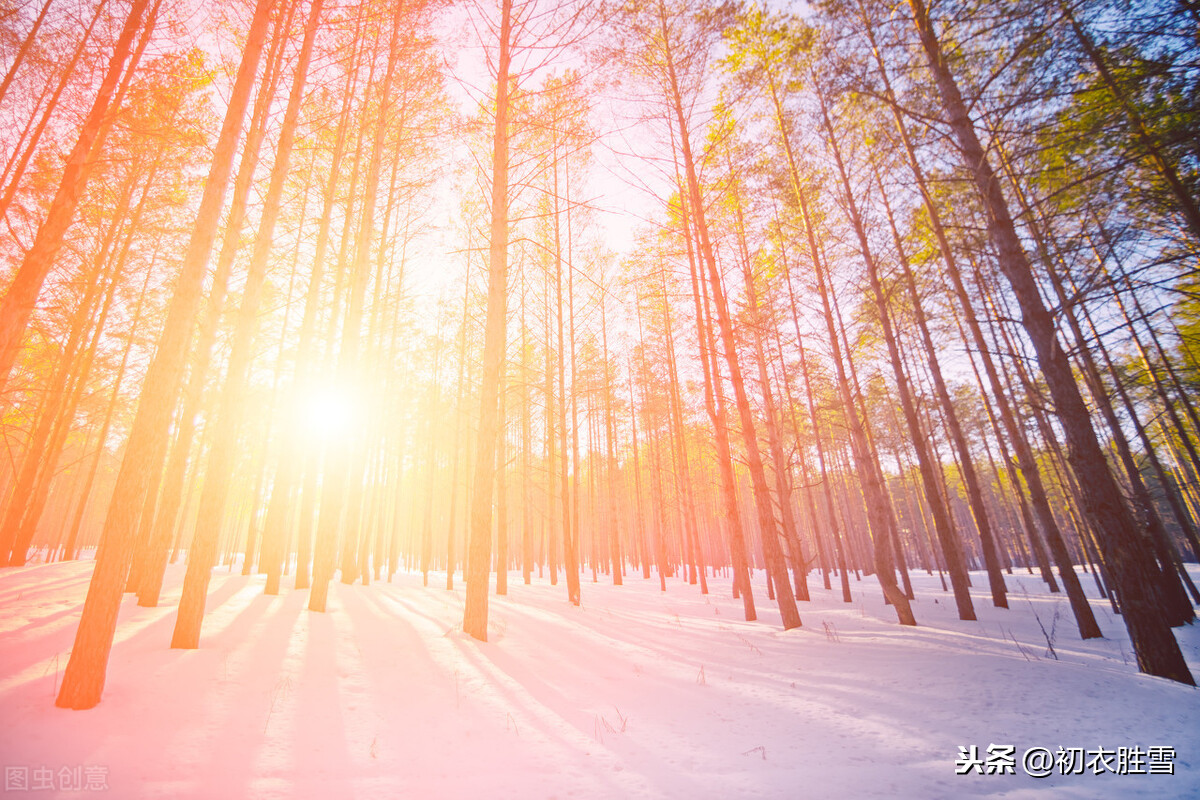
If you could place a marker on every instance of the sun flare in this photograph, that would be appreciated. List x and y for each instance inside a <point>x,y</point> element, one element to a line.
<point>327,413</point>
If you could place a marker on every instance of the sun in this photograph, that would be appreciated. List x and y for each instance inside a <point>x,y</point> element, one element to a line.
<point>327,413</point>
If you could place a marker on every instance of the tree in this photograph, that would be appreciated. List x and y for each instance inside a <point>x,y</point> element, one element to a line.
<point>234,389</point>
<point>1157,651</point>
<point>664,32</point>
<point>22,292</point>
<point>479,557</point>
<point>83,680</point>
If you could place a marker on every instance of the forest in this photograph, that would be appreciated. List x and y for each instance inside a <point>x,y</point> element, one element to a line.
<point>570,294</point>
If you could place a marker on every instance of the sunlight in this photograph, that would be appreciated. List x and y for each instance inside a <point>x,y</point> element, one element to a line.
<point>326,413</point>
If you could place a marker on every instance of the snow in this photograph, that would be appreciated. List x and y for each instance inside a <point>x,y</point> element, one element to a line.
<point>636,694</point>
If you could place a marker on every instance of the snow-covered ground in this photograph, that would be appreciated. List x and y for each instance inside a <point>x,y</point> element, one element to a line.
<point>636,694</point>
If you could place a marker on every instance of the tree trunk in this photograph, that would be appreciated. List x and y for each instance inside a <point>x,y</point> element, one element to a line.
<point>475,613</point>
<point>766,514</point>
<point>1157,651</point>
<point>966,463</point>
<point>771,416</point>
<point>714,402</point>
<point>929,469</point>
<point>230,412</point>
<point>83,680</point>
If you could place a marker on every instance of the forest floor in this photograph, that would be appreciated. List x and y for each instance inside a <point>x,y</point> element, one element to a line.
<point>635,694</point>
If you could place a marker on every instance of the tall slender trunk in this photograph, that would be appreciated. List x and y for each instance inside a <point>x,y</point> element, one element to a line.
<point>566,451</point>
<point>479,555</point>
<point>714,403</point>
<point>232,404</point>
<point>763,505</point>
<point>639,538</point>
<point>83,680</point>
<point>825,482</point>
<point>771,416</point>
<point>526,385</point>
<point>355,341</point>
<point>805,478</point>
<point>1157,651</point>
<point>657,500</point>
<point>552,421</point>
<point>70,548</point>
<point>929,469</point>
<point>883,499</point>
<point>502,489</point>
<point>683,471</point>
<point>612,466</point>
<point>573,555</point>
<point>161,514</point>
